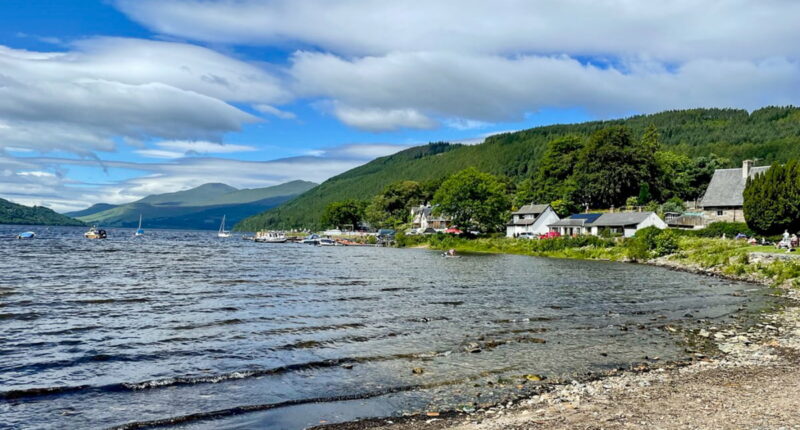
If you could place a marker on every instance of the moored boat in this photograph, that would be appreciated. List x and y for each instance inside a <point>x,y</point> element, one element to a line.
<point>95,233</point>
<point>139,231</point>
<point>270,237</point>
<point>326,241</point>
<point>222,232</point>
<point>26,235</point>
<point>311,239</point>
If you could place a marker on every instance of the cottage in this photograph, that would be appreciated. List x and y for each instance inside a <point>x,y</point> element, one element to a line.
<point>724,199</point>
<point>622,223</point>
<point>422,219</point>
<point>531,219</point>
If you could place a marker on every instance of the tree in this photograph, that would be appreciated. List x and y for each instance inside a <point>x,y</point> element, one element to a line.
<point>473,200</point>
<point>392,207</point>
<point>552,179</point>
<point>343,214</point>
<point>563,208</point>
<point>644,194</point>
<point>772,199</point>
<point>612,166</point>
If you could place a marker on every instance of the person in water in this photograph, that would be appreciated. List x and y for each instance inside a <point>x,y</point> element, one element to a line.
<point>451,252</point>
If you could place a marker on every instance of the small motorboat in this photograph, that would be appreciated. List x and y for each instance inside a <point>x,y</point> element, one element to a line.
<point>311,239</point>
<point>270,237</point>
<point>326,241</point>
<point>95,233</point>
<point>26,235</point>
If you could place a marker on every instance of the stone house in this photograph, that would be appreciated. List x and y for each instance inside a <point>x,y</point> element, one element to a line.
<point>724,196</point>
<point>422,218</point>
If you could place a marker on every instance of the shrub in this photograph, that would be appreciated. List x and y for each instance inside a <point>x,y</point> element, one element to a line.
<point>730,229</point>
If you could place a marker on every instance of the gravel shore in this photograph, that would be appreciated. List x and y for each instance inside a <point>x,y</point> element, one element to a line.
<point>752,382</point>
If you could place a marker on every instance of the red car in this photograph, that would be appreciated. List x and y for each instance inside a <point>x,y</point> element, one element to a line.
<point>550,235</point>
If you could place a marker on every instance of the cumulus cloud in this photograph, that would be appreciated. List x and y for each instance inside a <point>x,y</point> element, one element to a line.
<point>408,89</point>
<point>103,89</point>
<point>674,30</point>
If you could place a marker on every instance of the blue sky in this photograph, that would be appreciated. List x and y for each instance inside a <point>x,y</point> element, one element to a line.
<point>111,100</point>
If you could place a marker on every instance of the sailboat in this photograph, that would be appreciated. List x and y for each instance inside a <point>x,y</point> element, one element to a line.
<point>222,231</point>
<point>139,231</point>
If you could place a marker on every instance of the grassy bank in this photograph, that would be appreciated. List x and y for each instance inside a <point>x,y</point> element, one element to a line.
<point>676,249</point>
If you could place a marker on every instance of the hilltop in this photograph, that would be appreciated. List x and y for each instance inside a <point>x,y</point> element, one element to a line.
<point>12,213</point>
<point>769,134</point>
<point>197,208</point>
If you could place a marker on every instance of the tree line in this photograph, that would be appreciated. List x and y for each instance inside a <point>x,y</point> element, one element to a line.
<point>608,168</point>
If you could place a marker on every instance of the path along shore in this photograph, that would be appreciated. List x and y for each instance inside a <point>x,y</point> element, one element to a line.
<point>753,383</point>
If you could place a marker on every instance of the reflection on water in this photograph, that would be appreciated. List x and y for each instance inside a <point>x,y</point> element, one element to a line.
<point>103,333</point>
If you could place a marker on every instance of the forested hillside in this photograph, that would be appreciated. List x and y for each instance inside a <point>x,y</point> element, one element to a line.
<point>769,134</point>
<point>12,213</point>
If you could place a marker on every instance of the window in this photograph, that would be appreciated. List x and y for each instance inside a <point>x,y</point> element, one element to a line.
<point>720,213</point>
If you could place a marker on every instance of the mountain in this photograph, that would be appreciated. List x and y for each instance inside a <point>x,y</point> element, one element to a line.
<point>769,134</point>
<point>93,209</point>
<point>197,208</point>
<point>12,213</point>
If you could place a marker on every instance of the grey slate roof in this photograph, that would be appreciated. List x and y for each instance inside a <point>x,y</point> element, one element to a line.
<point>530,210</point>
<point>727,187</point>
<point>621,219</point>
<point>569,222</point>
<point>618,219</point>
<point>528,221</point>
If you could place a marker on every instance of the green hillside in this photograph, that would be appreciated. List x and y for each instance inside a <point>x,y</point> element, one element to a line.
<point>198,208</point>
<point>768,134</point>
<point>12,213</point>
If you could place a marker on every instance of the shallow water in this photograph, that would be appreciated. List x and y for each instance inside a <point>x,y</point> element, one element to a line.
<point>95,334</point>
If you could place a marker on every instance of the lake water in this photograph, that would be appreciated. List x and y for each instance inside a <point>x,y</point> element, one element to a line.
<point>226,333</point>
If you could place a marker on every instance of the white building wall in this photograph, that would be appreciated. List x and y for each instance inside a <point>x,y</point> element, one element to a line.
<point>548,217</point>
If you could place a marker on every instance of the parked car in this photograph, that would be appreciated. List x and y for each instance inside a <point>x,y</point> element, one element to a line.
<point>550,235</point>
<point>527,235</point>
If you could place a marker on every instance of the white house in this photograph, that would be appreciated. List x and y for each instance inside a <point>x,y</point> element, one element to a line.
<point>533,219</point>
<point>624,223</point>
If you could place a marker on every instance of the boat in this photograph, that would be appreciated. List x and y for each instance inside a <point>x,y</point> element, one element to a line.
<point>270,237</point>
<point>26,235</point>
<point>326,241</point>
<point>139,231</point>
<point>222,232</point>
<point>95,233</point>
<point>311,239</point>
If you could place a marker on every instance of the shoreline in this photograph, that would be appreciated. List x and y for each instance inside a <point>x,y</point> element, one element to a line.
<point>767,351</point>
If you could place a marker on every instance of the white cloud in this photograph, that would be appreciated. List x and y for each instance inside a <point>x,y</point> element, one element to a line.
<point>379,119</point>
<point>158,153</point>
<point>409,89</point>
<point>108,88</point>
<point>203,147</point>
<point>272,110</point>
<point>675,30</point>
<point>45,181</point>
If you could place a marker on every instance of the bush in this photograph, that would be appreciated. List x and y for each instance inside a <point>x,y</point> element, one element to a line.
<point>653,242</point>
<point>730,229</point>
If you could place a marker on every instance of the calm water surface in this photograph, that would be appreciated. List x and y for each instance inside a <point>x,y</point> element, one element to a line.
<point>96,334</point>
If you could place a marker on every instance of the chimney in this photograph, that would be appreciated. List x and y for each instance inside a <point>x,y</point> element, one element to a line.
<point>746,166</point>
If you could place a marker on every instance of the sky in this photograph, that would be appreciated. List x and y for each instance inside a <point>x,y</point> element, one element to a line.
<point>113,100</point>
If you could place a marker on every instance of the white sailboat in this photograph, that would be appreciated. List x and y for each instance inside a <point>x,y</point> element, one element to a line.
<point>222,232</point>
<point>139,231</point>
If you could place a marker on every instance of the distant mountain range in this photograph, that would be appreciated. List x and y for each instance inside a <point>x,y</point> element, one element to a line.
<point>197,208</point>
<point>12,213</point>
<point>769,134</point>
